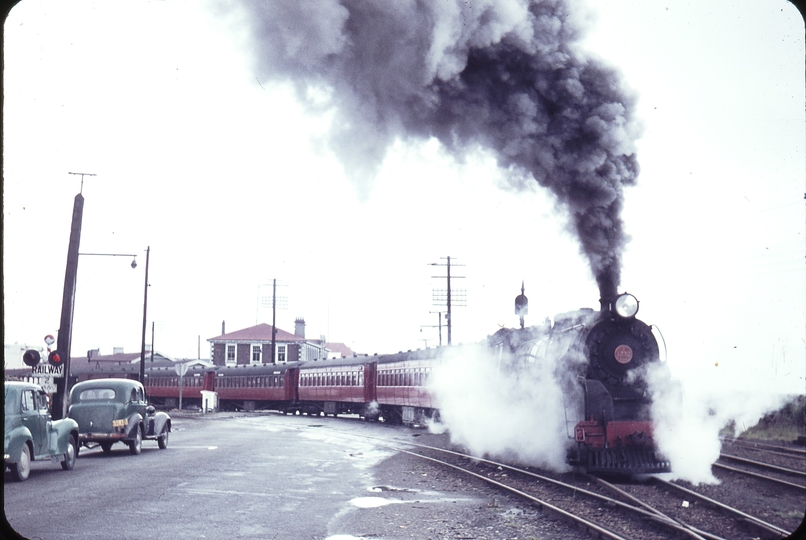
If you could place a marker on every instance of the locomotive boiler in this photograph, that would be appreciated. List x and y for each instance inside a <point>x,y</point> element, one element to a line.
<point>600,360</point>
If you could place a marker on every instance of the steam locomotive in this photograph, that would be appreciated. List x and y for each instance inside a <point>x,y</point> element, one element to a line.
<point>601,360</point>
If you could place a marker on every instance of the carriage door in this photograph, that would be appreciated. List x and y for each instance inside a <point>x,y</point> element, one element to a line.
<point>209,381</point>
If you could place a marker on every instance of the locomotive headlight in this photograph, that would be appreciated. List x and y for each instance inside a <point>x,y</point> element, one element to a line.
<point>626,305</point>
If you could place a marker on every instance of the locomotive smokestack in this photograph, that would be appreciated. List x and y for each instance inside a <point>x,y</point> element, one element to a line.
<point>607,295</point>
<point>506,76</point>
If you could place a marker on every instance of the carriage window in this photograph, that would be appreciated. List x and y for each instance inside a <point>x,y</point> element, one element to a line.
<point>28,400</point>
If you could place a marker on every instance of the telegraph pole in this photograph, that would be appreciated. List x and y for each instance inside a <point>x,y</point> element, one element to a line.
<point>450,299</point>
<point>438,325</point>
<point>145,313</point>
<point>273,318</point>
<point>83,174</point>
<point>63,342</point>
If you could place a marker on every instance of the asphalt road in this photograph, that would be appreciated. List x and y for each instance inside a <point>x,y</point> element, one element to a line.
<point>222,476</point>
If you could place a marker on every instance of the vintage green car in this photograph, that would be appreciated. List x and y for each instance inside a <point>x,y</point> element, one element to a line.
<point>112,410</point>
<point>30,433</point>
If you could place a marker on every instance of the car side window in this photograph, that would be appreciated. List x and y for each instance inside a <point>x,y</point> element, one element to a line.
<point>43,401</point>
<point>140,394</point>
<point>27,400</point>
<point>134,395</point>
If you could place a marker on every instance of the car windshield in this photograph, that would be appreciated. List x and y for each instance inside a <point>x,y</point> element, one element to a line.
<point>96,393</point>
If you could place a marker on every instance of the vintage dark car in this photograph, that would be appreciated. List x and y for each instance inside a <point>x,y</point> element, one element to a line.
<point>116,410</point>
<point>30,433</point>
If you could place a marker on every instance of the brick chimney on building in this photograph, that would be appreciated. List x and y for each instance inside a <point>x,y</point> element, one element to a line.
<point>299,327</point>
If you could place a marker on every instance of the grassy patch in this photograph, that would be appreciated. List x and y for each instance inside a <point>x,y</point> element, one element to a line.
<point>786,424</point>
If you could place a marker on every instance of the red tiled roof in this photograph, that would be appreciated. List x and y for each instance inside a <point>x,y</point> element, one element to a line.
<point>261,332</point>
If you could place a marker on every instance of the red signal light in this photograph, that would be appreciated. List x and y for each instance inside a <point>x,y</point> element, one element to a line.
<point>31,357</point>
<point>55,358</point>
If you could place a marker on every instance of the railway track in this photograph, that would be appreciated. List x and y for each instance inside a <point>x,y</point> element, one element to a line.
<point>782,466</point>
<point>599,507</point>
<point>613,518</point>
<point>769,448</point>
<point>770,530</point>
<point>626,512</point>
<point>759,476</point>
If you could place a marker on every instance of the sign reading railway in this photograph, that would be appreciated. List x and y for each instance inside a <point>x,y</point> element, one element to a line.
<point>47,369</point>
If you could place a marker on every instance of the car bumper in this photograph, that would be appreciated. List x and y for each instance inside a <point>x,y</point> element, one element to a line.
<point>101,437</point>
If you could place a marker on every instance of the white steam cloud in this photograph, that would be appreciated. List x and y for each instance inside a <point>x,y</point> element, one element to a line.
<point>688,421</point>
<point>495,405</point>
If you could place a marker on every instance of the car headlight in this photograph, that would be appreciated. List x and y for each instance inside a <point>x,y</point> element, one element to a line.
<point>626,305</point>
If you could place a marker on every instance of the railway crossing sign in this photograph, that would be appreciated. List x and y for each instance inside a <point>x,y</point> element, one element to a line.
<point>48,369</point>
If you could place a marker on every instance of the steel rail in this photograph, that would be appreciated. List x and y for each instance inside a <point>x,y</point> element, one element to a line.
<point>766,447</point>
<point>761,476</point>
<point>591,526</point>
<point>690,529</point>
<point>747,517</point>
<point>656,516</point>
<point>763,465</point>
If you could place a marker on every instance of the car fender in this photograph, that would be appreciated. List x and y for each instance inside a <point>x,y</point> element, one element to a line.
<point>160,420</point>
<point>135,419</point>
<point>59,433</point>
<point>16,438</point>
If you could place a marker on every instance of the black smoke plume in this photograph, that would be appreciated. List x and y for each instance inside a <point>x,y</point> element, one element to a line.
<point>503,75</point>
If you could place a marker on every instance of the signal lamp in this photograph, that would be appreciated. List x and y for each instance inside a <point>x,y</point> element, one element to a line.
<point>31,357</point>
<point>55,358</point>
<point>626,305</point>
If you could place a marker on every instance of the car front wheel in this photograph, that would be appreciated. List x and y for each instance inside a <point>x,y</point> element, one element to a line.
<point>136,446</point>
<point>22,468</point>
<point>162,441</point>
<point>69,460</point>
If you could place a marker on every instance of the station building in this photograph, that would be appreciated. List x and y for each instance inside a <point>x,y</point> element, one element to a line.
<point>253,346</point>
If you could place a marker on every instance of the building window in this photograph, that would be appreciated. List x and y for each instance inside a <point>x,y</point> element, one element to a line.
<point>281,354</point>
<point>230,355</point>
<point>257,355</point>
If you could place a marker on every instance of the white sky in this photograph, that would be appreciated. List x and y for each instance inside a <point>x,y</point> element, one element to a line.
<point>232,185</point>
